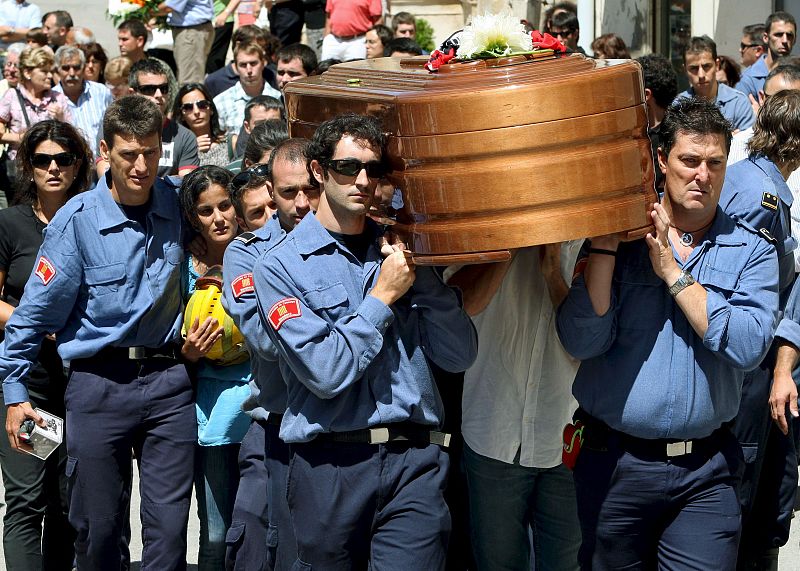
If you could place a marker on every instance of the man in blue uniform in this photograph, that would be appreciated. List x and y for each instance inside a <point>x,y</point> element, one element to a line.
<point>263,459</point>
<point>354,331</point>
<point>755,191</point>
<point>665,328</point>
<point>780,34</point>
<point>107,284</point>
<point>701,63</point>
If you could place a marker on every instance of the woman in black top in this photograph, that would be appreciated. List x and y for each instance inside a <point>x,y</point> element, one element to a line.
<point>53,164</point>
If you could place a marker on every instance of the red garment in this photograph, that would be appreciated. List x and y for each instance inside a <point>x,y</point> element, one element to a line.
<point>352,17</point>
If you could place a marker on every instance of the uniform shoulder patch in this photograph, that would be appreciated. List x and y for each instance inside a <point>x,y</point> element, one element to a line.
<point>769,200</point>
<point>246,237</point>
<point>45,270</point>
<point>766,235</point>
<point>282,311</point>
<point>242,285</point>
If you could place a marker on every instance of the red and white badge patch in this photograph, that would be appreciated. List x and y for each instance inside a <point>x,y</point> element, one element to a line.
<point>242,285</point>
<point>284,310</point>
<point>45,270</point>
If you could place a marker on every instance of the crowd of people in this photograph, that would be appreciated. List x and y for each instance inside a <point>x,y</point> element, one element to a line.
<point>188,286</point>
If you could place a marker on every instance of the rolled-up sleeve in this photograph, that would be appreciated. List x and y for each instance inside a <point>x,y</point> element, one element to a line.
<point>789,327</point>
<point>583,333</point>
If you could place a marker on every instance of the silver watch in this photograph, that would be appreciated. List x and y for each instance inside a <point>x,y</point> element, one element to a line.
<point>684,281</point>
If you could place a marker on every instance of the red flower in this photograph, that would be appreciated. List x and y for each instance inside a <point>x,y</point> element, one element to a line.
<point>546,42</point>
<point>438,59</point>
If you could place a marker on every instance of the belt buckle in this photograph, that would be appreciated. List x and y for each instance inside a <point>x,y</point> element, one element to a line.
<point>679,448</point>
<point>378,435</point>
<point>136,353</point>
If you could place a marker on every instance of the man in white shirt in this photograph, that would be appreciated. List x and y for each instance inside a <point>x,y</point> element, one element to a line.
<point>16,18</point>
<point>517,400</point>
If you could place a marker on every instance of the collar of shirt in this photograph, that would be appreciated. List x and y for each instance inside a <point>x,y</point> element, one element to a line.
<point>771,170</point>
<point>47,97</point>
<point>311,236</point>
<point>86,93</point>
<point>721,233</point>
<point>725,94</point>
<point>109,214</point>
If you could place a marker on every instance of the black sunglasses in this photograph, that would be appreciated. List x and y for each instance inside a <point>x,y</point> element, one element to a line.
<point>241,179</point>
<point>202,105</point>
<point>743,46</point>
<point>150,90</point>
<point>68,66</point>
<point>42,160</point>
<point>352,167</point>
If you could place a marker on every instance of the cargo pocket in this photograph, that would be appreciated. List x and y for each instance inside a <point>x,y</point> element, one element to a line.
<point>234,540</point>
<point>108,295</point>
<point>746,491</point>
<point>300,566</point>
<point>329,301</point>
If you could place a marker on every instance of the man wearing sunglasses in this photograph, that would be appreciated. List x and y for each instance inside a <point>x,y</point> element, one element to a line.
<point>151,78</point>
<point>87,100</point>
<point>752,46</point>
<point>355,327</point>
<point>780,34</point>
<point>107,284</point>
<point>294,194</point>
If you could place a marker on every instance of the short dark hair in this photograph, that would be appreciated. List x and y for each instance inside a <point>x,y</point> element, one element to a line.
<point>700,44</point>
<point>384,33</point>
<point>693,116</point>
<point>611,46</point>
<point>135,27</point>
<point>131,115</point>
<point>63,19</point>
<point>263,137</point>
<point>660,78</point>
<point>265,101</point>
<point>403,18</point>
<point>299,51</point>
<point>153,66</point>
<point>790,71</point>
<point>779,16</point>
<point>358,127</point>
<point>69,138</point>
<point>294,151</point>
<point>755,34</point>
<point>216,131</point>
<point>96,51</point>
<point>325,65</point>
<point>567,20</point>
<point>196,183</point>
<point>404,45</point>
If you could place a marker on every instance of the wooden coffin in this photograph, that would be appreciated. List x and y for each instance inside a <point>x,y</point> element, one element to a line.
<point>499,154</point>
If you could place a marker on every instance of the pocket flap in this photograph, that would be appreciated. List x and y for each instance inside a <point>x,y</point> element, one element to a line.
<point>97,275</point>
<point>721,280</point>
<point>272,536</point>
<point>326,296</point>
<point>235,533</point>
<point>70,468</point>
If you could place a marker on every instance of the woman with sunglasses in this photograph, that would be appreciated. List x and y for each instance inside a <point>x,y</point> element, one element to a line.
<point>53,165</point>
<point>33,100</point>
<point>221,386</point>
<point>195,110</point>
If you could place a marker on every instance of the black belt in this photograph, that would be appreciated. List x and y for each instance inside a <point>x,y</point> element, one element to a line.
<point>348,38</point>
<point>274,419</point>
<point>139,354</point>
<point>598,435</point>
<point>400,432</point>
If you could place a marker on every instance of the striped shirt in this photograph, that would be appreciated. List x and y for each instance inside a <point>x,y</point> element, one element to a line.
<point>231,102</point>
<point>88,112</point>
<point>12,116</point>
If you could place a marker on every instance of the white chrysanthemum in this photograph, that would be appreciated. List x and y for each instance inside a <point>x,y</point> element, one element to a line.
<point>120,8</point>
<point>499,34</point>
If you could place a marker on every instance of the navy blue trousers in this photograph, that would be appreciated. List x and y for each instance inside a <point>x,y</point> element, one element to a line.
<point>247,537</point>
<point>640,512</point>
<point>113,407</point>
<point>360,505</point>
<point>281,543</point>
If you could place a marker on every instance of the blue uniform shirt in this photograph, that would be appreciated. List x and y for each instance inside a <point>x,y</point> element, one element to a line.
<point>186,13</point>
<point>733,105</point>
<point>755,191</point>
<point>349,361</point>
<point>101,280</point>
<point>753,78</point>
<point>645,372</point>
<point>239,299</point>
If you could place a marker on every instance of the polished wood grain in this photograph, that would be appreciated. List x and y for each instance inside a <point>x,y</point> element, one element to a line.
<point>499,154</point>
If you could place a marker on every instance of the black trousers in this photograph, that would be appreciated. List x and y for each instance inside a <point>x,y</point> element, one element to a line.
<point>286,21</point>
<point>219,48</point>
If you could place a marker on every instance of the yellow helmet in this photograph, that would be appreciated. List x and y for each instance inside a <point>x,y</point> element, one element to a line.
<point>206,301</point>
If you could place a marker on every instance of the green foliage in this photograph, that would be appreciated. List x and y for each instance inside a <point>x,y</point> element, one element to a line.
<point>425,35</point>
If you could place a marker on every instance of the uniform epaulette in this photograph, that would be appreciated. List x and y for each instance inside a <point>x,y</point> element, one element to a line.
<point>246,237</point>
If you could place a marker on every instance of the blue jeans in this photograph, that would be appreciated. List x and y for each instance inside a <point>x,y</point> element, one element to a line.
<point>506,500</point>
<point>216,482</point>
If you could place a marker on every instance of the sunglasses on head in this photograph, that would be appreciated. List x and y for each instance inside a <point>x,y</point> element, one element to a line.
<point>352,167</point>
<point>202,105</point>
<point>150,90</point>
<point>241,179</point>
<point>42,160</point>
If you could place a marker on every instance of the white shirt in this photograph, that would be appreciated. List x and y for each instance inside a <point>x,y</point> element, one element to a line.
<point>518,394</point>
<point>739,152</point>
<point>230,105</point>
